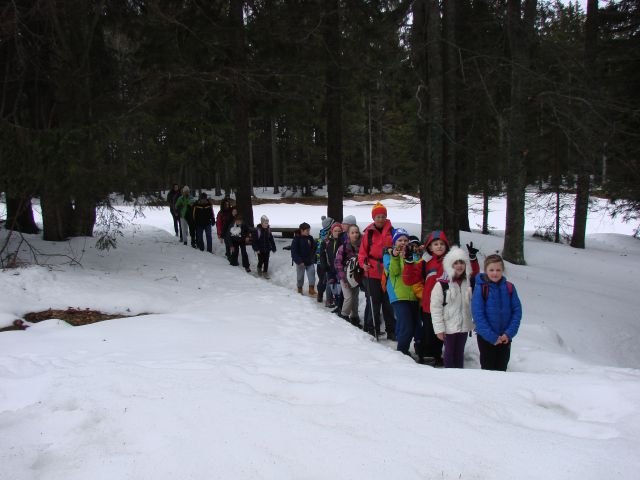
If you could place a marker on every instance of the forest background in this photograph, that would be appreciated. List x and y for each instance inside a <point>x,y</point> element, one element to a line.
<point>438,98</point>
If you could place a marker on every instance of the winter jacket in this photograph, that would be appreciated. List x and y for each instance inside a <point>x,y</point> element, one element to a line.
<point>322,236</point>
<point>372,253</point>
<point>223,221</point>
<point>237,234</point>
<point>328,256</point>
<point>172,198</point>
<point>455,315</point>
<point>203,213</point>
<point>396,288</point>
<point>183,206</point>
<point>263,240</point>
<point>501,311</point>
<point>303,250</point>
<point>345,253</point>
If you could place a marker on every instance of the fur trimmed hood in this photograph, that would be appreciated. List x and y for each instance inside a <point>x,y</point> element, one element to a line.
<point>455,254</point>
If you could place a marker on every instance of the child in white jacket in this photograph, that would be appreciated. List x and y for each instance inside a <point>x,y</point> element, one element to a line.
<point>451,306</point>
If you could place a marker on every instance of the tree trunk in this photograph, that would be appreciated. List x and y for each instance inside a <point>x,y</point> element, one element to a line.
<point>435,150</point>
<point>585,167</point>
<point>520,36</point>
<point>240,112</point>
<point>20,215</point>
<point>450,160</point>
<point>57,215</point>
<point>485,209</point>
<point>333,108</point>
<point>84,218</point>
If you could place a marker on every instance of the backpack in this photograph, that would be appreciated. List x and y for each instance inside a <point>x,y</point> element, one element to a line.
<point>472,282</point>
<point>353,272</point>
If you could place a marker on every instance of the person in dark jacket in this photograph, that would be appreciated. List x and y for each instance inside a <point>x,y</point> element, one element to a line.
<point>223,223</point>
<point>237,234</point>
<point>303,254</point>
<point>263,245</point>
<point>203,220</point>
<point>172,197</point>
<point>327,260</point>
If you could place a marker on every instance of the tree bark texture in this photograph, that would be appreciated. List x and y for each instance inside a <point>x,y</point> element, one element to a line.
<point>333,107</point>
<point>586,165</point>
<point>20,215</point>
<point>240,112</point>
<point>520,32</point>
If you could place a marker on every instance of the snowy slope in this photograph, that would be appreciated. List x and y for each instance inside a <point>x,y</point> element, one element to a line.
<point>236,377</point>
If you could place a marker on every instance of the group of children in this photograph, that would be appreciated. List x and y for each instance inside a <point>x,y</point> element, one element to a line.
<point>429,292</point>
<point>195,219</point>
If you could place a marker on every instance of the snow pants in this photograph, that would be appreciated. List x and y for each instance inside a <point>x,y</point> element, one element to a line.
<point>237,248</point>
<point>454,343</point>
<point>206,232</point>
<point>263,261</point>
<point>408,324</point>
<point>431,344</point>
<point>350,302</point>
<point>379,300</point>
<point>494,357</point>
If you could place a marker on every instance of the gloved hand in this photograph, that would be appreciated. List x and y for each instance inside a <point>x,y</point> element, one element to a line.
<point>472,251</point>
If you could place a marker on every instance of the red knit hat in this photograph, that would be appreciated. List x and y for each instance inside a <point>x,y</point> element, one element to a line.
<point>378,209</point>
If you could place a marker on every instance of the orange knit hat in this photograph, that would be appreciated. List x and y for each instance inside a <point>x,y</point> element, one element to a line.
<point>378,209</point>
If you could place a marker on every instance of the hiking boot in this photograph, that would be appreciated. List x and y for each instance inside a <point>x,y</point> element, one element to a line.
<point>266,276</point>
<point>319,297</point>
<point>337,310</point>
<point>391,336</point>
<point>312,291</point>
<point>329,304</point>
<point>300,290</point>
<point>247,269</point>
<point>355,321</point>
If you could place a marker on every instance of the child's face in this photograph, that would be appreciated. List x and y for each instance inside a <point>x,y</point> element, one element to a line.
<point>402,242</point>
<point>336,232</point>
<point>354,235</point>
<point>494,271</point>
<point>459,268</point>
<point>305,232</point>
<point>238,221</point>
<point>438,248</point>
<point>264,224</point>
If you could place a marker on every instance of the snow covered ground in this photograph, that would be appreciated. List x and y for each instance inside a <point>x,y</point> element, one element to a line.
<point>234,377</point>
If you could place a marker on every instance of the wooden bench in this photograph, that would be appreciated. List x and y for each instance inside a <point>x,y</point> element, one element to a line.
<point>286,232</point>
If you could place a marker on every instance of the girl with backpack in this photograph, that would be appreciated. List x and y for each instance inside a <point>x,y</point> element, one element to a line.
<point>451,306</point>
<point>327,261</point>
<point>345,263</point>
<point>403,300</point>
<point>497,313</point>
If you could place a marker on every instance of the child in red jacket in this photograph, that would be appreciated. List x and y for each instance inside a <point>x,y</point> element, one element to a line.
<point>426,273</point>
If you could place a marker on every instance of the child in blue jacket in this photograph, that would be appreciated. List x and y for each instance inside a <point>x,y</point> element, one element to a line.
<point>496,312</point>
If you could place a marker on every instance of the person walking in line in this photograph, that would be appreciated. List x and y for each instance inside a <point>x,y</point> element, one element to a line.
<point>172,198</point>
<point>203,220</point>
<point>263,245</point>
<point>223,223</point>
<point>183,206</point>
<point>344,255</point>
<point>237,234</point>
<point>375,238</point>
<point>303,255</point>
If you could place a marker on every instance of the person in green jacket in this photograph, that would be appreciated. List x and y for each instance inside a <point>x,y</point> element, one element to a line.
<point>403,300</point>
<point>184,206</point>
